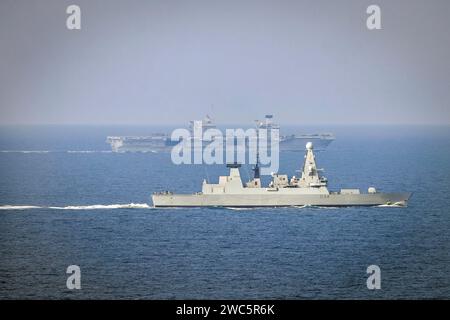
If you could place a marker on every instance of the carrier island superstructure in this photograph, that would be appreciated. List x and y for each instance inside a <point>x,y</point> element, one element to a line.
<point>310,188</point>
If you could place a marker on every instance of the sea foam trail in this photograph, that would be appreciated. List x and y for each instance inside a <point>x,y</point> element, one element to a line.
<point>7,207</point>
<point>105,206</point>
<point>55,151</point>
<point>394,205</point>
<point>242,208</point>
<point>72,151</point>
<point>89,207</point>
<point>25,151</point>
<point>89,151</point>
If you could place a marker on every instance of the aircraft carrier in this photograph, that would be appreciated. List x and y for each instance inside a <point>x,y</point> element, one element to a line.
<point>161,142</point>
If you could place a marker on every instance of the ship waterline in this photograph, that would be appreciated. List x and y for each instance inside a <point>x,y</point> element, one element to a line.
<point>279,200</point>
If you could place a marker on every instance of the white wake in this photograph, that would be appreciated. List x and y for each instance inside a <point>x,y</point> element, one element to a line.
<point>87,207</point>
<point>25,151</point>
<point>242,208</point>
<point>89,151</point>
<point>400,204</point>
<point>8,207</point>
<point>55,151</point>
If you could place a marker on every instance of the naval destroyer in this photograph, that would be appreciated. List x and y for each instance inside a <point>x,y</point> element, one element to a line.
<point>161,142</point>
<point>308,189</point>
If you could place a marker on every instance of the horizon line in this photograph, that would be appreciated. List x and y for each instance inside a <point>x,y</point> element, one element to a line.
<point>225,124</point>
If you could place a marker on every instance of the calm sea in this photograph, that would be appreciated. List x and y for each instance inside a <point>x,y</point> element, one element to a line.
<point>71,202</point>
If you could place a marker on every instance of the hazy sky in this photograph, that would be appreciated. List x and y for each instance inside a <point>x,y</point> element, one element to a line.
<point>165,62</point>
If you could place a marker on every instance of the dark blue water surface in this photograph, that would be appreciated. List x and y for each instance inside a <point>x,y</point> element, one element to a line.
<point>141,252</point>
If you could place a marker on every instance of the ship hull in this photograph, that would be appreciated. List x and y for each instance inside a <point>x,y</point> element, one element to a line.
<point>164,144</point>
<point>264,200</point>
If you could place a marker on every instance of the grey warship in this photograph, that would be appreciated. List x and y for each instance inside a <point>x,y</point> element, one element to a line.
<point>309,189</point>
<point>162,142</point>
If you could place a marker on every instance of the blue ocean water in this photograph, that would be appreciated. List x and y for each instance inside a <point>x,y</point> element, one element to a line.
<point>86,206</point>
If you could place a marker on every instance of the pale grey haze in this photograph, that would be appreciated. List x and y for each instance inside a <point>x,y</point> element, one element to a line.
<point>165,62</point>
